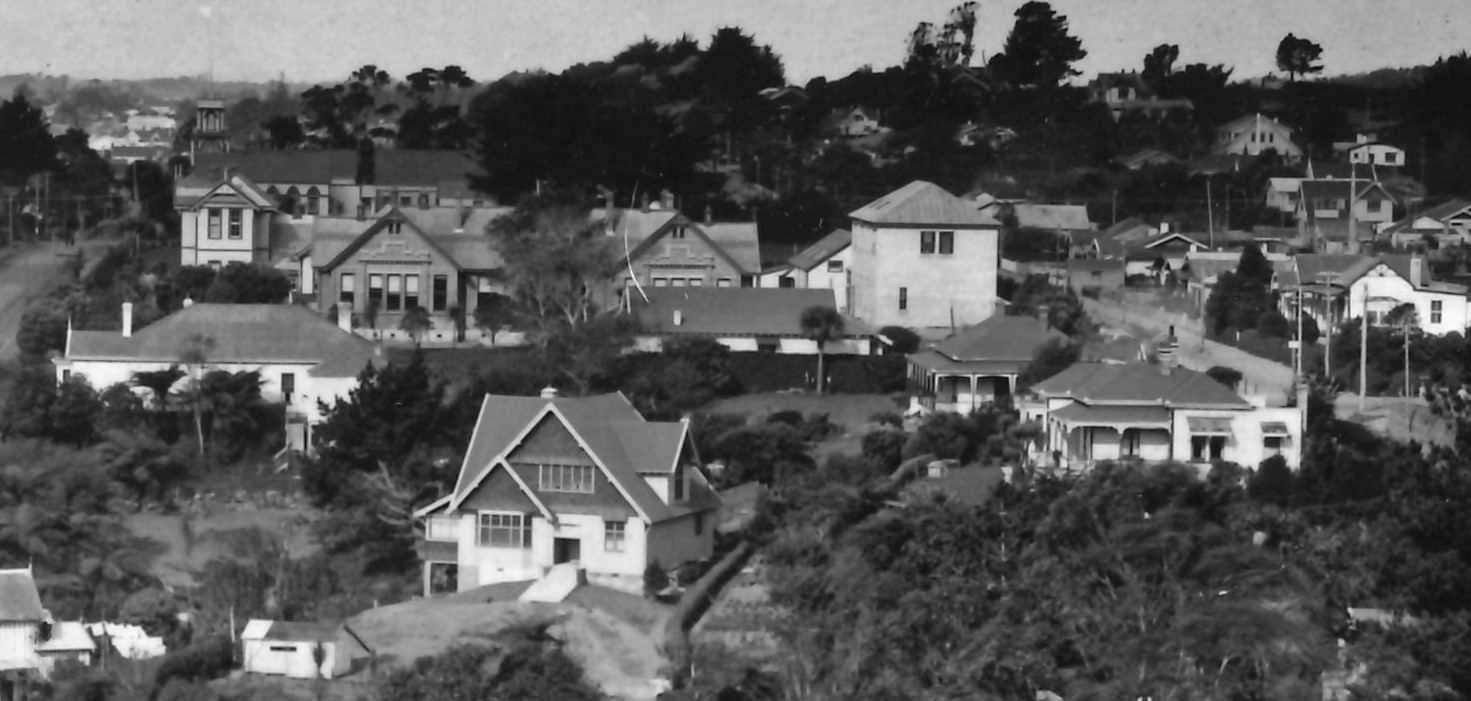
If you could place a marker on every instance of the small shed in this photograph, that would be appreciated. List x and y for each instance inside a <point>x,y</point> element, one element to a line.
<point>288,648</point>
<point>69,641</point>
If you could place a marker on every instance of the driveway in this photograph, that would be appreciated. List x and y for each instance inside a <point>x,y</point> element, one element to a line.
<point>28,270</point>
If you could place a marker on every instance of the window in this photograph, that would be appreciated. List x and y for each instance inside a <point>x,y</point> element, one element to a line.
<point>903,299</point>
<point>313,201</point>
<point>288,386</point>
<point>423,201</point>
<point>614,536</point>
<point>1096,274</point>
<point>947,242</point>
<point>214,223</point>
<point>1271,446</point>
<point>501,530</point>
<point>661,282</point>
<point>442,528</point>
<point>697,282</point>
<point>214,265</point>
<point>835,266</point>
<point>699,524</point>
<point>676,282</point>
<point>926,242</point>
<point>395,293</point>
<point>1130,446</point>
<point>723,282</point>
<point>375,289</point>
<point>1207,448</point>
<point>235,223</point>
<point>441,293</point>
<point>66,376</point>
<point>565,478</point>
<point>411,291</point>
<point>677,232</point>
<point>347,289</point>
<point>786,281</point>
<point>483,293</point>
<point>767,345</point>
<point>283,648</point>
<point>406,201</point>
<point>1435,311</point>
<point>395,227</point>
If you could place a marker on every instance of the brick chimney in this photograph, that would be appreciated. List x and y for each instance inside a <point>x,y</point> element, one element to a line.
<point>127,319</point>
<point>1168,361</point>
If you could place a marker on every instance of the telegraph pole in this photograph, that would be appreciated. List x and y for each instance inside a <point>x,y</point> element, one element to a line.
<point>1210,217</point>
<point>1353,186</point>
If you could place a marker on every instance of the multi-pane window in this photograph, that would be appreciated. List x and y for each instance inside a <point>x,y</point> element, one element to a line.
<point>395,293</point>
<point>441,292</point>
<point>926,242</point>
<point>288,386</point>
<point>565,478</point>
<point>947,242</point>
<point>504,530</point>
<point>677,232</point>
<point>214,223</point>
<point>395,227</point>
<point>443,528</point>
<point>1435,311</point>
<point>677,282</point>
<point>615,535</point>
<point>375,289</point>
<point>723,282</point>
<point>697,282</point>
<point>835,266</point>
<point>235,225</point>
<point>347,289</point>
<point>411,291</point>
<point>1272,446</point>
<point>661,282</point>
<point>903,298</point>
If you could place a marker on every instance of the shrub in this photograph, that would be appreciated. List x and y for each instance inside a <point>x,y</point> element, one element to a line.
<point>790,417</point>
<point>945,435</point>
<point>209,659</point>
<point>1271,324</point>
<point>816,427</point>
<point>1272,482</point>
<point>885,448</point>
<point>888,418</point>
<point>655,579</point>
<point>1227,376</point>
<point>708,429</point>
<point>901,340</point>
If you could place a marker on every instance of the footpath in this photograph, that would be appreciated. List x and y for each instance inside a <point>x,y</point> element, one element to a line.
<point>1259,375</point>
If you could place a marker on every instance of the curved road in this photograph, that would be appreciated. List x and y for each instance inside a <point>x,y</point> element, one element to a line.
<point>28,270</point>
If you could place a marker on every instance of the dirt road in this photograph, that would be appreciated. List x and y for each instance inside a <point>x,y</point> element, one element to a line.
<point>26,271</point>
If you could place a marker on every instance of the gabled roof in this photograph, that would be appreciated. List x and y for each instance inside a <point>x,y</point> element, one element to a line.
<point>1441,213</point>
<point>1174,237</point>
<point>1062,217</point>
<point>404,167</point>
<point>235,190</point>
<point>1316,268</point>
<point>1339,189</point>
<point>825,248</point>
<point>1251,121</point>
<point>469,250</point>
<point>922,203</point>
<point>242,333</point>
<point>1284,184</point>
<point>19,600</point>
<point>1139,384</point>
<point>739,240</point>
<point>732,311</point>
<point>999,338</point>
<point>1143,157</point>
<point>613,433</point>
<point>301,632</point>
<point>68,636</point>
<point>736,242</point>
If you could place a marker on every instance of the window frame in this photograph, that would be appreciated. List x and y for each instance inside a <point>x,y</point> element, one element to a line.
<point>375,291</point>
<point>393,297</point>
<point>566,478</point>
<point>347,289</point>
<point>510,523</point>
<point>439,292</point>
<point>904,299</point>
<point>214,223</point>
<point>946,245</point>
<point>411,291</point>
<point>835,266</point>
<point>926,242</point>
<point>235,225</point>
<point>453,524</point>
<point>615,536</point>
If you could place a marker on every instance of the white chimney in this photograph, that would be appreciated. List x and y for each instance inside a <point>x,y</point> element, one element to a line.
<point>344,317</point>
<point>1164,228</point>
<point>127,319</point>
<point>188,302</point>
<point>678,317</point>
<point>549,392</point>
<point>1417,270</point>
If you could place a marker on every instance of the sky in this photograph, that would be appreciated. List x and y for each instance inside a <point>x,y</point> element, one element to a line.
<point>324,40</point>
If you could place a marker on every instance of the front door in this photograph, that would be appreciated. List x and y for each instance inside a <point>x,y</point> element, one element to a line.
<point>566,550</point>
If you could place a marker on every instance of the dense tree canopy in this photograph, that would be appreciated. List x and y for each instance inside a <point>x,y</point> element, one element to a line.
<point>1298,56</point>
<point>1039,52</point>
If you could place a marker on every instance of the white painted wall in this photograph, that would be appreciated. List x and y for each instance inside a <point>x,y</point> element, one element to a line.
<point>1382,283</point>
<point>105,373</point>
<point>823,277</point>
<point>785,346</point>
<point>1246,445</point>
<point>962,284</point>
<point>18,645</point>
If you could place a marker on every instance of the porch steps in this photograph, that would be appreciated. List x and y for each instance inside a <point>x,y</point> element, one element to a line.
<point>558,583</point>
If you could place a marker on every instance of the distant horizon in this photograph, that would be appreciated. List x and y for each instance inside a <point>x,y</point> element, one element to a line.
<point>299,38</point>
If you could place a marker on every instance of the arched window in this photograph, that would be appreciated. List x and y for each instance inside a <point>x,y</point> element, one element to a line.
<point>313,200</point>
<point>293,202</point>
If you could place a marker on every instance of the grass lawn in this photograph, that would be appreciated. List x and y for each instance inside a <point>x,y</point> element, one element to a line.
<point>851,412</point>
<point>178,559</point>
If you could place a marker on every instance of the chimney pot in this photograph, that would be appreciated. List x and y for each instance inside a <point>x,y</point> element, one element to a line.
<point>127,319</point>
<point>188,302</point>
<point>549,392</point>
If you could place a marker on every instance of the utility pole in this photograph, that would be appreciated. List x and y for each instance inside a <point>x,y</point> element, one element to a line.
<point>1353,187</point>
<point>1210,218</point>
<point>1115,214</point>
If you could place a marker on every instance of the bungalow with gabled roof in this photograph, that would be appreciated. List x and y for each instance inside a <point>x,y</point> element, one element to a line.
<point>661,247</point>
<point>1157,413</point>
<point>749,319</point>
<point>584,481</point>
<point>825,265</point>
<point>1448,223</point>
<point>977,365</point>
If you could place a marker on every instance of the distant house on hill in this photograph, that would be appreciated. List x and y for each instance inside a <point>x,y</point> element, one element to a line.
<point>826,264</point>
<point>1126,93</point>
<point>1368,150</point>
<point>1448,223</point>
<point>24,623</point>
<point>858,121</point>
<point>1255,134</point>
<point>752,319</point>
<point>290,649</point>
<point>977,365</point>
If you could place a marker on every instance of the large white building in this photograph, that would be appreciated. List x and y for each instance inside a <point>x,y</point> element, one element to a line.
<point>923,258</point>
<point>1334,288</point>
<point>1157,413</point>
<point>301,357</point>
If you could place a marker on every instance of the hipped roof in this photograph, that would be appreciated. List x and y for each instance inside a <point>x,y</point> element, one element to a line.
<point>922,203</point>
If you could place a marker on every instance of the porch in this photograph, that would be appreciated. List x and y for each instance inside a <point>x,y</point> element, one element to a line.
<point>1078,436</point>
<point>959,387</point>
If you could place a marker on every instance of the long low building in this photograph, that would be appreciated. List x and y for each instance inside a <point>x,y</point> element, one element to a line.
<point>741,319</point>
<point>1157,413</point>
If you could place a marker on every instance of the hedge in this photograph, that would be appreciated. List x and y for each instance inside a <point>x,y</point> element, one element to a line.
<point>847,374</point>
<point>696,601</point>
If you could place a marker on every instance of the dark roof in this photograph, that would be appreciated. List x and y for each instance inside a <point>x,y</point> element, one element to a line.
<point>938,363</point>
<point>614,433</point>
<point>242,333</point>
<point>1062,217</point>
<point>1138,383</point>
<point>1338,189</point>
<point>1079,413</point>
<point>1338,229</point>
<point>1220,163</point>
<point>287,167</point>
<point>999,338</point>
<point>825,248</point>
<point>1083,265</point>
<point>463,242</point>
<point>300,631</point>
<point>420,168</point>
<point>19,600</point>
<point>732,311</point>
<point>1315,268</point>
<point>1440,213</point>
<point>922,203</point>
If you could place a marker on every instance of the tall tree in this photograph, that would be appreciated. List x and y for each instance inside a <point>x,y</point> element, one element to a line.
<point>26,147</point>
<point>1159,64</point>
<point>1039,52</point>
<point>821,324</point>
<point>1298,56</point>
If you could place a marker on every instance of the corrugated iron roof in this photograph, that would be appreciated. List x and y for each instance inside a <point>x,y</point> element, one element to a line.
<point>1138,383</point>
<point>19,600</point>
<point>922,203</point>
<point>825,248</point>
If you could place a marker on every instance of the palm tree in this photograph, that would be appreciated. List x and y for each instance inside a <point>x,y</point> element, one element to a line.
<point>195,354</point>
<point>821,324</point>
